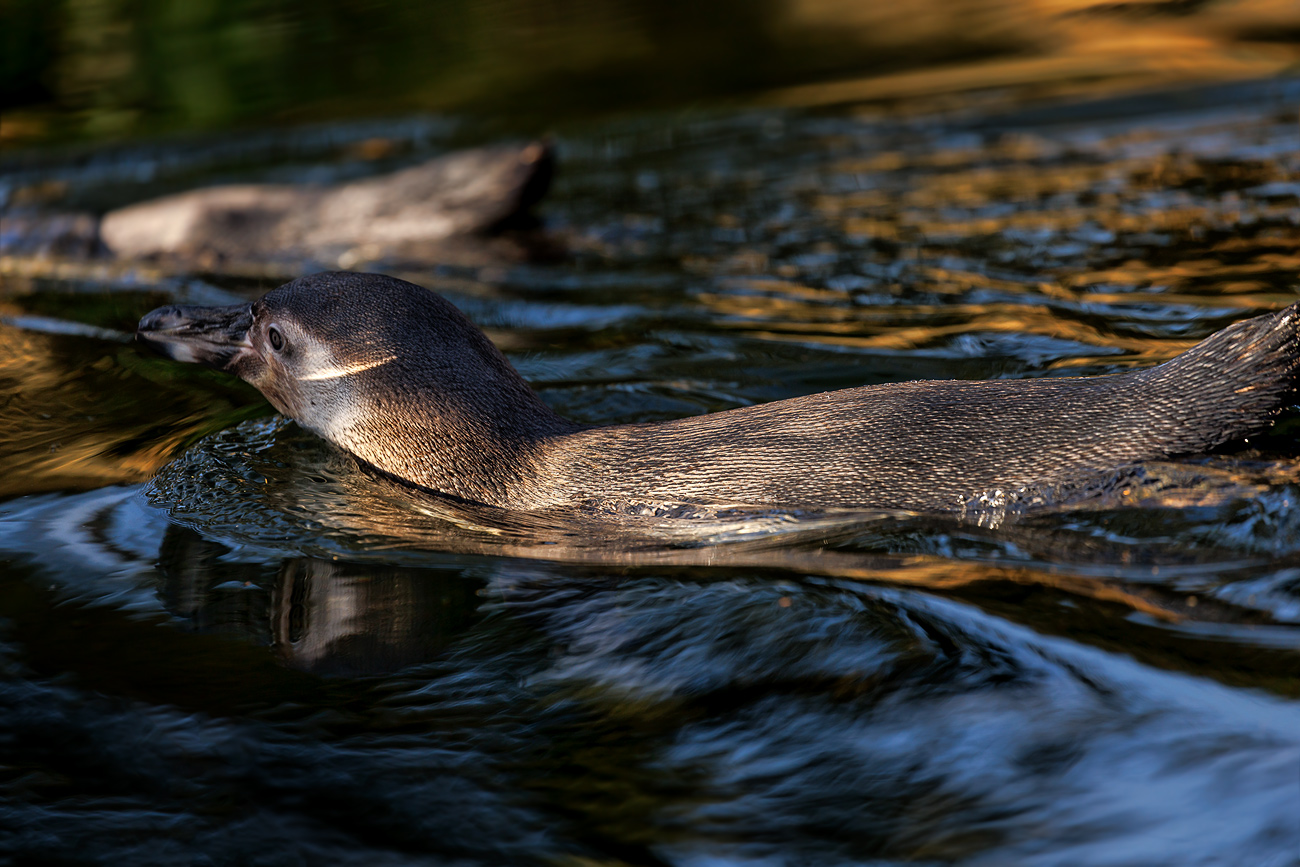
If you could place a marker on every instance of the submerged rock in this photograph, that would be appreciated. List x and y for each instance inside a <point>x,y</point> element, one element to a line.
<point>446,209</point>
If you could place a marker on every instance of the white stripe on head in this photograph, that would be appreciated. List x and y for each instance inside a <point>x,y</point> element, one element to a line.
<point>337,371</point>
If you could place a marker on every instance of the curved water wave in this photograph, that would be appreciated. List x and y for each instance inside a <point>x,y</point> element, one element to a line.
<point>776,693</point>
<point>699,717</point>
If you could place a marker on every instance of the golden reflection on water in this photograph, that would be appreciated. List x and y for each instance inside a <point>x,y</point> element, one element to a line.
<point>799,322</point>
<point>1065,46</point>
<point>80,413</point>
<point>1018,231</point>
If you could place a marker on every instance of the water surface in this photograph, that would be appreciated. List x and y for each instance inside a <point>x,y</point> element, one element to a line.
<point>222,643</point>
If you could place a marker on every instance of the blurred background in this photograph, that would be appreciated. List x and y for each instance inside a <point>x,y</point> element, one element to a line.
<point>106,69</point>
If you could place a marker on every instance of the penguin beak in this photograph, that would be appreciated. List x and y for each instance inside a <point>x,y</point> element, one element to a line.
<point>215,336</point>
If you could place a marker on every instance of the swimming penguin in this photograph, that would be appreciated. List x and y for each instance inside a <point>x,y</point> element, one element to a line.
<point>401,379</point>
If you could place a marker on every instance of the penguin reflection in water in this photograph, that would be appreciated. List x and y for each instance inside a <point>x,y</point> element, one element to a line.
<point>398,377</point>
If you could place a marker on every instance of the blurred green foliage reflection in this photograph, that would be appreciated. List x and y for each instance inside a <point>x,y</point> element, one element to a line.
<point>108,68</point>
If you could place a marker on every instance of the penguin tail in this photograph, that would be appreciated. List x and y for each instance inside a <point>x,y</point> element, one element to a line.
<point>1232,384</point>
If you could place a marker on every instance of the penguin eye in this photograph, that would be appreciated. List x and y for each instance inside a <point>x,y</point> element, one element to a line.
<point>277,339</point>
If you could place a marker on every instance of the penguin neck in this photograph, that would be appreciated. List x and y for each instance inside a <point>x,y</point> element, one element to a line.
<point>489,445</point>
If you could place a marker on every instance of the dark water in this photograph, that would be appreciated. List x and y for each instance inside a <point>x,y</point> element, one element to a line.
<point>221,643</point>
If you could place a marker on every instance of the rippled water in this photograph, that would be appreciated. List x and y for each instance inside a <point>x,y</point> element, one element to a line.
<point>222,643</point>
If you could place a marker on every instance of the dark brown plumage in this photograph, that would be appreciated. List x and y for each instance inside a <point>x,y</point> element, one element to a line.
<point>397,376</point>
